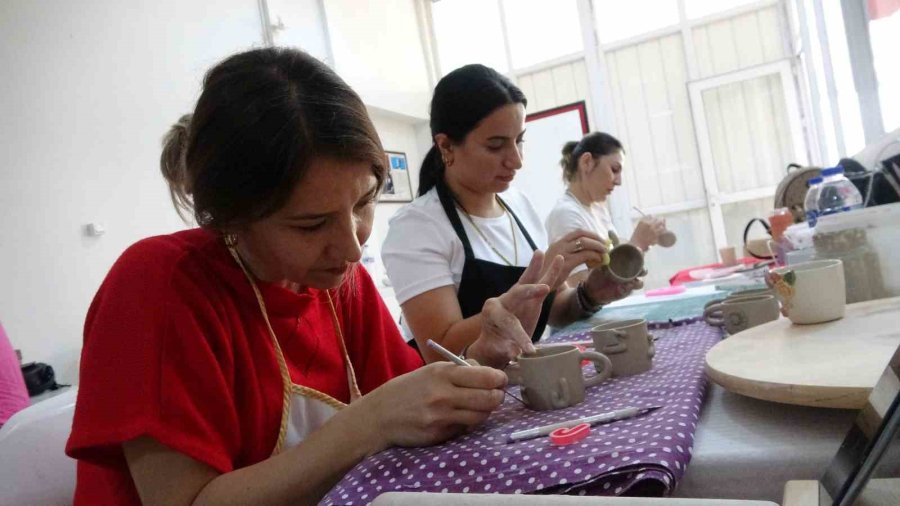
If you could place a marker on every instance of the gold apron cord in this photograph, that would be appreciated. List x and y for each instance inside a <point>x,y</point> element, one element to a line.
<point>351,374</point>
<point>288,387</point>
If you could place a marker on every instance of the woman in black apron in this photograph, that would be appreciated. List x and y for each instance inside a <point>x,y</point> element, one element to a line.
<point>477,123</point>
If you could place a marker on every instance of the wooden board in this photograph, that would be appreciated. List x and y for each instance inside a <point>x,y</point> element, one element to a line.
<point>833,365</point>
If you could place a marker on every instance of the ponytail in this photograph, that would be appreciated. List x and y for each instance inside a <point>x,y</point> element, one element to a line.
<point>596,143</point>
<point>569,162</point>
<point>432,170</point>
<point>173,167</point>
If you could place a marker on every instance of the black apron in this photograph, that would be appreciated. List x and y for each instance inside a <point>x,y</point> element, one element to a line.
<point>481,279</point>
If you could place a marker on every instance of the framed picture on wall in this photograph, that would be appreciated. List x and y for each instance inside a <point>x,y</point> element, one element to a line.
<point>397,186</point>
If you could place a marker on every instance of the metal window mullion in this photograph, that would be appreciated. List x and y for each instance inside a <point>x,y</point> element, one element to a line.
<point>429,41</point>
<point>266,22</point>
<point>507,48</point>
<point>601,100</point>
<point>707,166</point>
<point>830,85</point>
<point>812,83</point>
<point>856,28</point>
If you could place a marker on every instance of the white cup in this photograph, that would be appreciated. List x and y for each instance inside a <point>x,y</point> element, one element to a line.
<point>811,292</point>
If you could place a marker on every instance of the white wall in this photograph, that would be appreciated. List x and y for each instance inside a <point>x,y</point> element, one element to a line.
<point>88,90</point>
<point>397,134</point>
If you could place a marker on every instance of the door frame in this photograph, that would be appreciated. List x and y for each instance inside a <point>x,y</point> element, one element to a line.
<point>714,197</point>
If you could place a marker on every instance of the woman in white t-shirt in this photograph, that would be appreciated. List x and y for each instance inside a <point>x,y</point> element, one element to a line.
<point>461,242</point>
<point>592,168</point>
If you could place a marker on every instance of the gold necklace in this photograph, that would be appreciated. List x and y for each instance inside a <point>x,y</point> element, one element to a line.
<point>512,233</point>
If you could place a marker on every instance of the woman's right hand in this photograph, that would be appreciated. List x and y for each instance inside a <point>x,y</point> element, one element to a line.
<point>429,405</point>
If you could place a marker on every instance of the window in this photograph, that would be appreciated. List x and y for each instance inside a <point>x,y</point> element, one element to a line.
<point>884,35</point>
<point>469,31</point>
<point>700,8</point>
<point>541,30</point>
<point>847,99</point>
<point>617,20</point>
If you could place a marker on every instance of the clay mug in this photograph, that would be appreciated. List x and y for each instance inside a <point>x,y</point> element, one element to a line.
<point>667,238</point>
<point>811,292</point>
<point>626,262</point>
<point>728,256</point>
<point>552,378</point>
<point>628,344</point>
<point>742,313</point>
<point>742,293</point>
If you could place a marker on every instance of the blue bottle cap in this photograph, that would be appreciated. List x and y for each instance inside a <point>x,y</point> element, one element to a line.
<point>832,171</point>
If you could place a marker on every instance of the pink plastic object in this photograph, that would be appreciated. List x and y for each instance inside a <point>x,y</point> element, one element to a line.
<point>569,435</point>
<point>13,395</point>
<point>668,290</point>
<point>582,347</point>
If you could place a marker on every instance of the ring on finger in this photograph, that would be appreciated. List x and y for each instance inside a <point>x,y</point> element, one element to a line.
<point>578,245</point>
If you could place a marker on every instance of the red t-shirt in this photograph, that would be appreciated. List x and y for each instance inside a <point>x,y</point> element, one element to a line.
<point>175,348</point>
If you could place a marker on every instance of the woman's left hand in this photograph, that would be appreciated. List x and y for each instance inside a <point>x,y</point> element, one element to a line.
<point>601,288</point>
<point>508,321</point>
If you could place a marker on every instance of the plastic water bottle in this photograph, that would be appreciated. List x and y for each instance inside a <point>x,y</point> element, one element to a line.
<point>837,194</point>
<point>811,202</point>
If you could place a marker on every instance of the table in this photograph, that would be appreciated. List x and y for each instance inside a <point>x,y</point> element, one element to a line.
<point>684,276</point>
<point>645,455</point>
<point>685,306</point>
<point>833,364</point>
<point>417,499</point>
<point>745,448</point>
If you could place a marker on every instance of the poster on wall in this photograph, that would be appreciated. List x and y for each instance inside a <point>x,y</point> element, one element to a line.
<point>397,186</point>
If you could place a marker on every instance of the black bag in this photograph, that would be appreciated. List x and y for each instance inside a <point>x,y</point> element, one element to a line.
<point>39,378</point>
<point>876,187</point>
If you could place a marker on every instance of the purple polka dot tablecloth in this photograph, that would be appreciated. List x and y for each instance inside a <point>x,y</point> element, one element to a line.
<point>644,455</point>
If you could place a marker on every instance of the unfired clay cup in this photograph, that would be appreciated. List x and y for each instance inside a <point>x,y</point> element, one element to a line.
<point>628,344</point>
<point>552,378</point>
<point>742,313</point>
<point>667,239</point>
<point>626,262</point>
<point>743,293</point>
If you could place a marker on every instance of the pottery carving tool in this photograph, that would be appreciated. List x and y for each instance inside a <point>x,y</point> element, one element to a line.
<point>456,359</point>
<point>611,416</point>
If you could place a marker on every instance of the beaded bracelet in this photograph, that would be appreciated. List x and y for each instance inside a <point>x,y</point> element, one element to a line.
<point>584,302</point>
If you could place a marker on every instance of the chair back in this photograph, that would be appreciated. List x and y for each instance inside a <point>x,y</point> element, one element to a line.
<point>34,468</point>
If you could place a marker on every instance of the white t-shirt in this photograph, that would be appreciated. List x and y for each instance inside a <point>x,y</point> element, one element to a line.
<point>569,214</point>
<point>422,251</point>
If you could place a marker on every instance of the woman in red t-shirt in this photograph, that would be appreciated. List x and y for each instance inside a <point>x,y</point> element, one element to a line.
<point>252,360</point>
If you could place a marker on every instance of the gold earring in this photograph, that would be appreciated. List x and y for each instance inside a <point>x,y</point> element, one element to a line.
<point>448,163</point>
<point>230,239</point>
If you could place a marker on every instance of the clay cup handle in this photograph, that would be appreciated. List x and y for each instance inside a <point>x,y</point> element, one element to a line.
<point>713,315</point>
<point>513,373</point>
<point>601,364</point>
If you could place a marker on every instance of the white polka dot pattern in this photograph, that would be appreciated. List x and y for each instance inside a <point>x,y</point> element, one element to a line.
<point>645,455</point>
